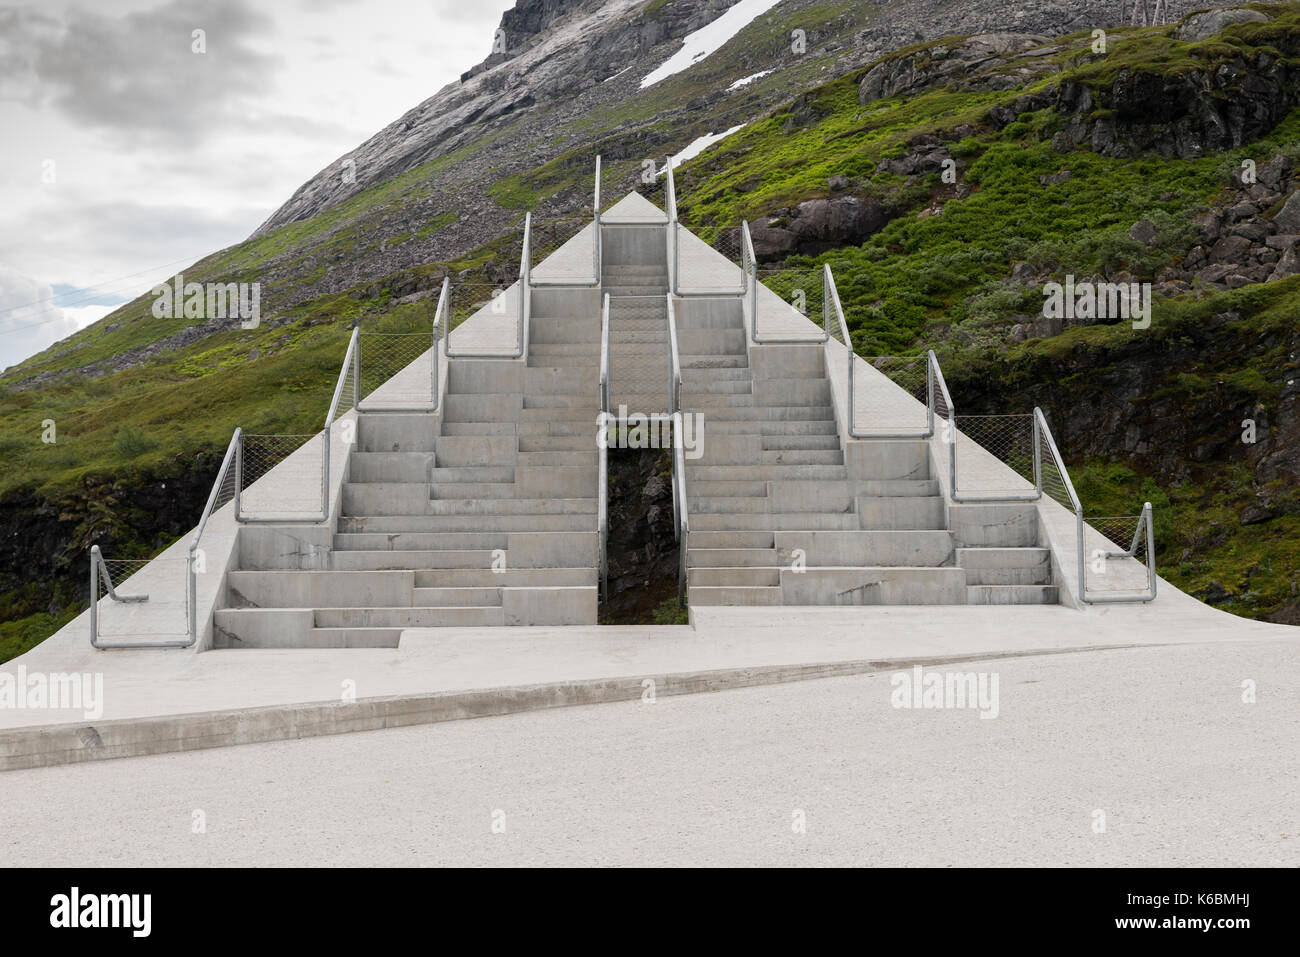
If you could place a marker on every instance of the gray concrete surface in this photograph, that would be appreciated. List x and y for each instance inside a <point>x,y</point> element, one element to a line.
<point>1156,738</point>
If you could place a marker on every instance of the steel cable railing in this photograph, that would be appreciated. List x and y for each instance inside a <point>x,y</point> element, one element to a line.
<point>682,526</point>
<point>674,361</point>
<point>602,455</point>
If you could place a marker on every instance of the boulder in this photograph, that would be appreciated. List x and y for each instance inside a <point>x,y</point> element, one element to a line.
<point>1143,231</point>
<point>1288,218</point>
<point>1202,26</point>
<point>1286,267</point>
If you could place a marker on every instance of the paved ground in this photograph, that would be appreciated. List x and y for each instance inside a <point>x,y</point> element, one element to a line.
<point>1156,738</point>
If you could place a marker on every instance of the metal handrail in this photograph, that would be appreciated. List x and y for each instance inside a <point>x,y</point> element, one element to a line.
<point>98,567</point>
<point>673,225</point>
<point>596,221</point>
<point>602,501</point>
<point>751,293</point>
<point>1144,521</point>
<point>674,361</point>
<point>683,524</point>
<point>605,355</point>
<point>525,305</point>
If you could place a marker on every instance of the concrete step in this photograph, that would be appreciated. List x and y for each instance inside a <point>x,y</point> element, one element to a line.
<point>714,362</point>
<point>825,442</point>
<point>912,548</point>
<point>697,375</point>
<point>476,451</point>
<point>699,389</point>
<point>390,466</point>
<point>478,616</point>
<point>901,511</point>
<point>737,595</point>
<point>769,413</point>
<point>486,577</point>
<point>874,586</point>
<point>771,521</point>
<point>820,428</point>
<point>550,402</point>
<point>473,490</point>
<point>1006,566</point>
<point>713,489</point>
<point>456,597</point>
<point>994,525</point>
<point>426,541</point>
<point>471,475</point>
<point>411,524</point>
<point>573,458</point>
<point>410,432</point>
<point>560,331</point>
<point>479,429</point>
<point>319,589</point>
<point>537,443</point>
<point>511,506</point>
<point>764,473</point>
<point>803,457</point>
<point>407,559</point>
<point>1012,595</point>
<point>733,576</point>
<point>730,557</point>
<point>278,628</point>
<point>729,539</point>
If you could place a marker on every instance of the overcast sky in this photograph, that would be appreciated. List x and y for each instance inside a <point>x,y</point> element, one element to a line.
<point>125,155</point>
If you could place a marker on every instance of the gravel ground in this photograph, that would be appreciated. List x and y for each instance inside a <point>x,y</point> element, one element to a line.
<point>1156,739</point>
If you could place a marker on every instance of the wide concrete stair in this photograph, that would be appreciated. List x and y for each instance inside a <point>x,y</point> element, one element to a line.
<point>778,517</point>
<point>484,515</point>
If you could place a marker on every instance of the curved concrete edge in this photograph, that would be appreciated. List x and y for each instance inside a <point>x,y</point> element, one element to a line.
<point>73,743</point>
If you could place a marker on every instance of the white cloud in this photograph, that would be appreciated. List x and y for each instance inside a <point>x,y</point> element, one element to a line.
<point>29,318</point>
<point>161,156</point>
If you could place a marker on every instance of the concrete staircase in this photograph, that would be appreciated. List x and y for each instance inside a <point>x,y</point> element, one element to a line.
<point>482,515</point>
<point>485,513</point>
<point>779,517</point>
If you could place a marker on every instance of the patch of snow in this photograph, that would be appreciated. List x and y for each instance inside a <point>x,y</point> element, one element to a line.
<point>708,38</point>
<point>748,80</point>
<point>616,75</point>
<point>698,146</point>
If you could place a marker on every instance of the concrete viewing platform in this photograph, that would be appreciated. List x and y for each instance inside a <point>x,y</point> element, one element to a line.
<point>457,572</point>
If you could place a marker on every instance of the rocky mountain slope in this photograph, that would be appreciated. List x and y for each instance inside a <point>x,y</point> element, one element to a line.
<point>1062,168</point>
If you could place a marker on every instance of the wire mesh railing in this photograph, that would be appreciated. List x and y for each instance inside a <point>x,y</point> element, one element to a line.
<point>648,178</point>
<point>995,458</point>
<point>303,463</point>
<point>563,250</point>
<point>500,326</point>
<point>639,360</point>
<point>1118,562</point>
<point>893,397</point>
<point>151,617</point>
<point>140,600</point>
